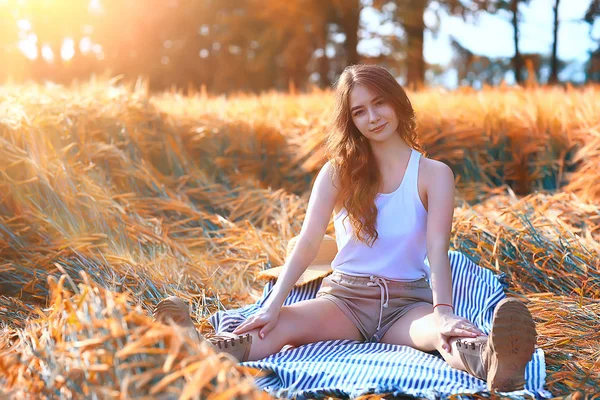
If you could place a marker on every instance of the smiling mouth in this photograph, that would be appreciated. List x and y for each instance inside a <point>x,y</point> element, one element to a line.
<point>379,128</point>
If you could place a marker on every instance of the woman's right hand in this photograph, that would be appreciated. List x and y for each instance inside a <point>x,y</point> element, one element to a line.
<point>264,319</point>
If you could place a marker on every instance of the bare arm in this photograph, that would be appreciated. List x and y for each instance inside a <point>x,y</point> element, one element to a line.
<point>440,200</point>
<point>320,207</point>
<point>440,204</point>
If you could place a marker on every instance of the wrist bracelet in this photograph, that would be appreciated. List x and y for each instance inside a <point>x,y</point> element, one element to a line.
<point>443,304</point>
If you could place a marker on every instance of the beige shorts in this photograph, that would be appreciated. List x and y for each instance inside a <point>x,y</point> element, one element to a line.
<point>373,303</point>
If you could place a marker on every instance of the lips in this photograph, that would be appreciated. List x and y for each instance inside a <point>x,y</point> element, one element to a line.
<point>379,128</point>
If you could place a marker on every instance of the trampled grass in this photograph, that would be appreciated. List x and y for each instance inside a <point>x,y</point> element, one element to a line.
<point>111,199</point>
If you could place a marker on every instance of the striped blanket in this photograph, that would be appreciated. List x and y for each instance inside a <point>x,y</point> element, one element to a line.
<point>347,368</point>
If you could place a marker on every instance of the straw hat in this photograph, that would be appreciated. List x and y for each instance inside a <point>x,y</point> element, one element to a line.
<point>319,268</point>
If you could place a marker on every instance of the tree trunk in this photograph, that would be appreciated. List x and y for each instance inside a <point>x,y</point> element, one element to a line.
<point>415,33</point>
<point>324,81</point>
<point>323,63</point>
<point>56,67</point>
<point>350,23</point>
<point>517,59</point>
<point>554,63</point>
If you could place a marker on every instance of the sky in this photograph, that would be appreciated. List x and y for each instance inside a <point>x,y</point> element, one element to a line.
<point>491,35</point>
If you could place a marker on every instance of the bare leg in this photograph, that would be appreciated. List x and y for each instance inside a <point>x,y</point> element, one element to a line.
<point>417,329</point>
<point>304,322</point>
<point>500,359</point>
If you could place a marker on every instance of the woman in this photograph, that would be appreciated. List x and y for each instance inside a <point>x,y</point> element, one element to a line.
<point>392,208</point>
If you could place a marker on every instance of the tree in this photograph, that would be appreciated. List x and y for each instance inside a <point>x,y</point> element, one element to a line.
<point>593,69</point>
<point>512,6</point>
<point>52,22</point>
<point>410,15</point>
<point>348,17</point>
<point>223,45</point>
<point>292,39</point>
<point>474,69</point>
<point>135,37</point>
<point>9,36</point>
<point>517,59</point>
<point>554,61</point>
<point>414,26</point>
<point>592,12</point>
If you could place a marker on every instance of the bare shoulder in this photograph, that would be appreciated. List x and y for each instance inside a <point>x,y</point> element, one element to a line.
<point>334,181</point>
<point>329,169</point>
<point>436,173</point>
<point>435,179</point>
<point>326,186</point>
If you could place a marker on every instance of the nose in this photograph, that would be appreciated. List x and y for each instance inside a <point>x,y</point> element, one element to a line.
<point>373,116</point>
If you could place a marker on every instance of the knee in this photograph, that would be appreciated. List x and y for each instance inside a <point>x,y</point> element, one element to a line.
<point>292,327</point>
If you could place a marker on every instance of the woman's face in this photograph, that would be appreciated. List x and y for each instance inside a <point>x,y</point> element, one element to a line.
<point>374,116</point>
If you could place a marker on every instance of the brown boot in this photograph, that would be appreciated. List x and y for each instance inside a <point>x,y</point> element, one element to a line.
<point>501,358</point>
<point>236,345</point>
<point>174,309</point>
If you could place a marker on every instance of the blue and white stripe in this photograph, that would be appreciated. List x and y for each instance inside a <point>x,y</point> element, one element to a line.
<point>347,368</point>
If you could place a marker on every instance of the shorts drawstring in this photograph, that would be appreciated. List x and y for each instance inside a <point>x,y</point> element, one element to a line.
<point>385,294</point>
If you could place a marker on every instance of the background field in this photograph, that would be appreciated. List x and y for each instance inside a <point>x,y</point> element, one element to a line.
<point>112,198</point>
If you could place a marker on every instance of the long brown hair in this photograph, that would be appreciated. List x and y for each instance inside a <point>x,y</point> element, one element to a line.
<point>350,152</point>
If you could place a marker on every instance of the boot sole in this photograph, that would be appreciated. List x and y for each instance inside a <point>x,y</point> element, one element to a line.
<point>175,309</point>
<point>513,338</point>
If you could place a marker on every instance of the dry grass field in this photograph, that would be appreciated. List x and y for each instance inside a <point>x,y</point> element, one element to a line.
<point>112,198</point>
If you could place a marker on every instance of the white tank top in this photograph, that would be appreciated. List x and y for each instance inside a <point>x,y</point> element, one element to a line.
<point>400,251</point>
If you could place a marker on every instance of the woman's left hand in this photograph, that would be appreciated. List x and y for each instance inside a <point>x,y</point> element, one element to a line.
<point>451,325</point>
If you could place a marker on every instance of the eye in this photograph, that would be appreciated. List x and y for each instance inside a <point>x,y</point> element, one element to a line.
<point>358,112</point>
<point>379,102</point>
